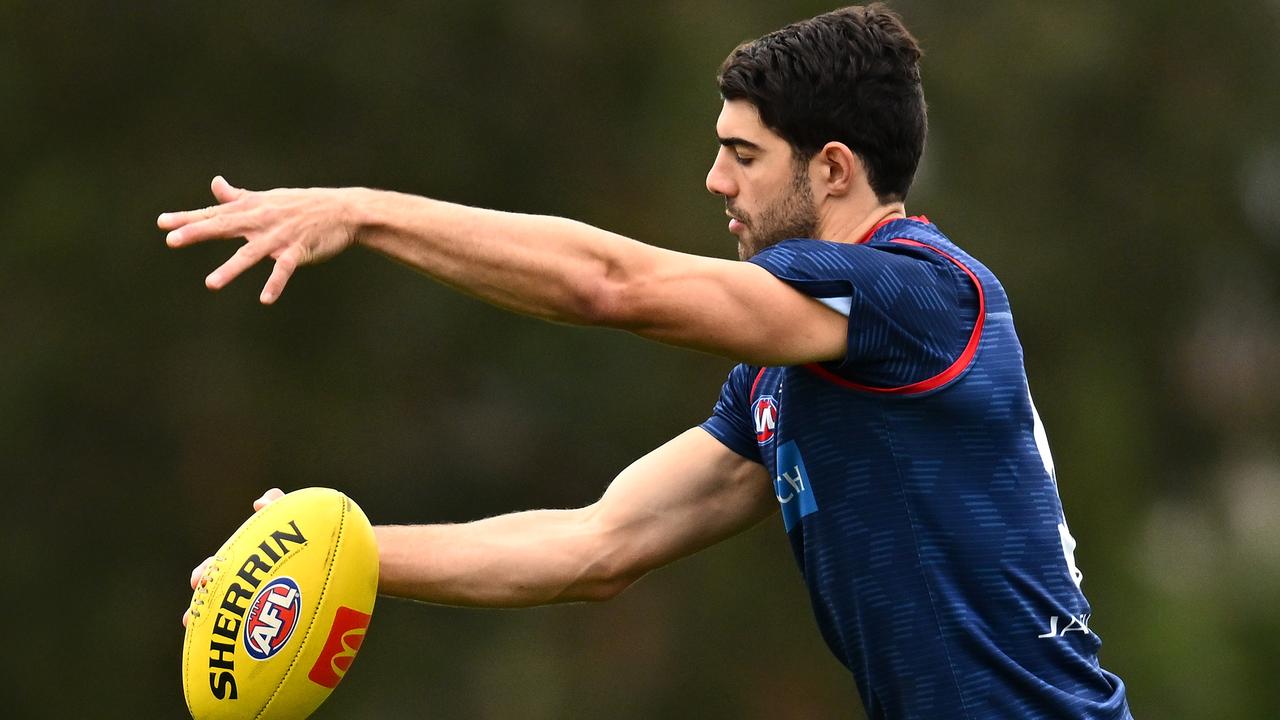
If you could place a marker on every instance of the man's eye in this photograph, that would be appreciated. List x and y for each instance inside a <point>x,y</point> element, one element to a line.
<point>743,160</point>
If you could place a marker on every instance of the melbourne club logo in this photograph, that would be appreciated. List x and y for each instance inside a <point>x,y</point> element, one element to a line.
<point>765,413</point>
<point>272,617</point>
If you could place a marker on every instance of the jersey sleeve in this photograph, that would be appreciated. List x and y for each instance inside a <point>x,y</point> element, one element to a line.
<point>910,310</point>
<point>730,421</point>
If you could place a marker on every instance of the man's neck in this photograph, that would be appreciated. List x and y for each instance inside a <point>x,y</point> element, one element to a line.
<point>853,227</point>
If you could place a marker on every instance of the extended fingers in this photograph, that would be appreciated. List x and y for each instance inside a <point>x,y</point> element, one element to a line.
<point>211,223</point>
<point>224,191</point>
<point>175,220</point>
<point>243,259</point>
<point>286,264</point>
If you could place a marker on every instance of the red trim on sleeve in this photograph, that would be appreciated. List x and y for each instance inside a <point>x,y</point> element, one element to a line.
<point>942,378</point>
<point>756,382</point>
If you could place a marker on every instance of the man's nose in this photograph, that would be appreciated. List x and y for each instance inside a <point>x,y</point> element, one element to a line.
<point>719,182</point>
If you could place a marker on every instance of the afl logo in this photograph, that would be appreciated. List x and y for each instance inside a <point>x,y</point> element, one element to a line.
<point>765,413</point>
<point>272,616</point>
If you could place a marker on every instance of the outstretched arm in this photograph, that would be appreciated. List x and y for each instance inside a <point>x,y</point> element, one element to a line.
<point>684,496</point>
<point>548,267</point>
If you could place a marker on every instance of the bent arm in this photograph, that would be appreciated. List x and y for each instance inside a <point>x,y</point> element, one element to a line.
<point>684,496</point>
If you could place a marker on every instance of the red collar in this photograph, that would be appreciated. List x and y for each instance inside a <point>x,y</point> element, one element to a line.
<point>886,221</point>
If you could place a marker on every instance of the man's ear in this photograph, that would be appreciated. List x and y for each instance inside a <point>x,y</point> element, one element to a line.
<point>839,168</point>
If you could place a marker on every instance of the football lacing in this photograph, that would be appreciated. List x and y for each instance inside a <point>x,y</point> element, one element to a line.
<point>202,588</point>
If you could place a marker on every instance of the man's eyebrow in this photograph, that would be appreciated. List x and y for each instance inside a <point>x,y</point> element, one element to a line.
<point>737,142</point>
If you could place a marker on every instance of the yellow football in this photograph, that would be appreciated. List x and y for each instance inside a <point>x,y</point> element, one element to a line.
<point>283,611</point>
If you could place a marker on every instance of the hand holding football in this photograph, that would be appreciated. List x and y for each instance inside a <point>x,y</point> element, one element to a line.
<point>282,610</point>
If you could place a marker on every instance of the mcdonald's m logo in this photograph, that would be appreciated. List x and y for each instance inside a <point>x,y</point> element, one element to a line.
<point>345,637</point>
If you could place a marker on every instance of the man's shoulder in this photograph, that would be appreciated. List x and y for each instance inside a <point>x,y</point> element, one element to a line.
<point>805,261</point>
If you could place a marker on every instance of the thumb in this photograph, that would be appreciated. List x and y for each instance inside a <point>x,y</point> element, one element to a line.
<point>267,498</point>
<point>224,191</point>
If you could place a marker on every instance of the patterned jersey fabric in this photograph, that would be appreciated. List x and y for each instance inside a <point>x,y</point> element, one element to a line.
<point>917,488</point>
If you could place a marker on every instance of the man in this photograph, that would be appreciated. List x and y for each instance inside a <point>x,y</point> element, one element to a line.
<point>881,401</point>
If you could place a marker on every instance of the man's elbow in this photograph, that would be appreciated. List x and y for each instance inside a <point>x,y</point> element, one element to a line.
<point>613,564</point>
<point>603,302</point>
<point>609,587</point>
<point>617,292</point>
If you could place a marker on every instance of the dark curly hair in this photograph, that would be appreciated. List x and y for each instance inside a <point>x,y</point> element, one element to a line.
<point>851,76</point>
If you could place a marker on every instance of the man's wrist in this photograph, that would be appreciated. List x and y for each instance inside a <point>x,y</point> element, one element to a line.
<point>356,208</point>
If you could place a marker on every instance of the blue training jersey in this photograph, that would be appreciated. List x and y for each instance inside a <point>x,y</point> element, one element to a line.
<point>917,488</point>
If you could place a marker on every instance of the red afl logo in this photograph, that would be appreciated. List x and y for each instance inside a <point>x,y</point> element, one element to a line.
<point>765,413</point>
<point>272,617</point>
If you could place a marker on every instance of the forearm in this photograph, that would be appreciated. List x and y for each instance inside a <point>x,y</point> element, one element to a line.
<point>548,267</point>
<point>567,271</point>
<point>684,496</point>
<point>516,560</point>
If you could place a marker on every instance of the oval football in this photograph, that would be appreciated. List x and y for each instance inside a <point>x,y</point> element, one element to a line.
<point>283,611</point>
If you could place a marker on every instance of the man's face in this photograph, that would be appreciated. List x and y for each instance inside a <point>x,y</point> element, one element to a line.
<point>767,194</point>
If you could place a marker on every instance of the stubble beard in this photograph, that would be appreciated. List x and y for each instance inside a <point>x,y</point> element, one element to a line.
<point>791,216</point>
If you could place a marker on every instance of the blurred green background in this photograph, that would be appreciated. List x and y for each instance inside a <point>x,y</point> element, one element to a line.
<point>1117,164</point>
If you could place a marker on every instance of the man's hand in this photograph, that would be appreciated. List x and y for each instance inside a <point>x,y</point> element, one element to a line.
<point>199,574</point>
<point>294,227</point>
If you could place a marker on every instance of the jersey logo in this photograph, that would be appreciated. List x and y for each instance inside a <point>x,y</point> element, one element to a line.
<point>272,616</point>
<point>765,413</point>
<point>1075,623</point>
<point>792,487</point>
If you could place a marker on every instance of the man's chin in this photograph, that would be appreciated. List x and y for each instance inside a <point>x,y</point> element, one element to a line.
<point>748,248</point>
